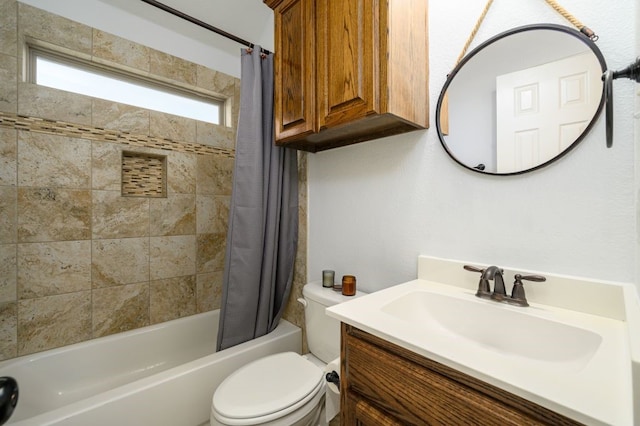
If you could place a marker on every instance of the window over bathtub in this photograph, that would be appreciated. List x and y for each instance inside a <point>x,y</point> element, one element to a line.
<point>63,71</point>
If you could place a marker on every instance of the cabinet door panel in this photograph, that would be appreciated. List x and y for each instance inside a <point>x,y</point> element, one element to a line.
<point>348,42</point>
<point>294,69</point>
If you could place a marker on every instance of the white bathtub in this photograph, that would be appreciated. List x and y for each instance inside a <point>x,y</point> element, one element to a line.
<point>163,374</point>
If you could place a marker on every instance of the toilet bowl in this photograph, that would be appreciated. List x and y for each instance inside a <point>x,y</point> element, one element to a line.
<point>285,389</point>
<point>282,389</point>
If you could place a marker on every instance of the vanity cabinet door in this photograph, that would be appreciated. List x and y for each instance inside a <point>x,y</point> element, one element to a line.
<point>294,70</point>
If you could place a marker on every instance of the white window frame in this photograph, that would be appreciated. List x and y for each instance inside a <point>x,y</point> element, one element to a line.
<point>113,73</point>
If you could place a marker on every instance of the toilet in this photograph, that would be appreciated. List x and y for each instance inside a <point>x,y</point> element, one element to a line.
<point>287,388</point>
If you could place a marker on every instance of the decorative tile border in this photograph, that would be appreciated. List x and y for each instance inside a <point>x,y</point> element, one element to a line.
<point>54,127</point>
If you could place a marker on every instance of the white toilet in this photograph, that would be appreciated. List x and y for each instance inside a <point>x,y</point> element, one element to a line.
<point>287,388</point>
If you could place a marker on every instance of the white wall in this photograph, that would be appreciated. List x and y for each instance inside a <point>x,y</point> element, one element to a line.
<point>637,145</point>
<point>250,20</point>
<point>374,207</point>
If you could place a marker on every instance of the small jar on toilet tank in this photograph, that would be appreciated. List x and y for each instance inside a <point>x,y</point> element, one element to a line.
<point>348,285</point>
<point>328,277</point>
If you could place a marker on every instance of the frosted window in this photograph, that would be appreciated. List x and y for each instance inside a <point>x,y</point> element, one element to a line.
<point>85,81</point>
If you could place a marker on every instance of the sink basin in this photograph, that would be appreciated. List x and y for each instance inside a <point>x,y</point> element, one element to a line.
<point>578,336</point>
<point>496,327</point>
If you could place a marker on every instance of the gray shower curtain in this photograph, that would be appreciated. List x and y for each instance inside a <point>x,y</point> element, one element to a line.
<point>263,220</point>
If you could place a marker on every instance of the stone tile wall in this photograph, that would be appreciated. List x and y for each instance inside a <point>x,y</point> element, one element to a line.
<point>77,259</point>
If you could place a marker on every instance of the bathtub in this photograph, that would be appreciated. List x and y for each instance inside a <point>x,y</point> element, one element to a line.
<point>163,374</point>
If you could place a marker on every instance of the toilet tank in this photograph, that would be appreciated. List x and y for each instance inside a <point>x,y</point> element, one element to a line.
<point>323,331</point>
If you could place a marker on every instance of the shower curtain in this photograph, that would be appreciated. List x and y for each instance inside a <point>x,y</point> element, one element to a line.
<point>263,218</point>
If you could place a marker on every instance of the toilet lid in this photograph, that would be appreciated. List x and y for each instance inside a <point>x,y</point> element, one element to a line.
<point>267,385</point>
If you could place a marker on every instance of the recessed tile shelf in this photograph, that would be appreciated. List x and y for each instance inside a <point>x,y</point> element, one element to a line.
<point>144,175</point>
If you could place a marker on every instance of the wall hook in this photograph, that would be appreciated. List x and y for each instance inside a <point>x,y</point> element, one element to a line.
<point>631,72</point>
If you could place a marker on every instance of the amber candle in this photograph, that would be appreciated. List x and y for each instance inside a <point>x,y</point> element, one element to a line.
<point>348,285</point>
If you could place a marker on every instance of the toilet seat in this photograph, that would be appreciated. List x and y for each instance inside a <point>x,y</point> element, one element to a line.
<point>267,389</point>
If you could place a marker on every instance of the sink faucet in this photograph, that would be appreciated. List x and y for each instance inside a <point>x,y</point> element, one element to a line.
<point>499,293</point>
<point>494,273</point>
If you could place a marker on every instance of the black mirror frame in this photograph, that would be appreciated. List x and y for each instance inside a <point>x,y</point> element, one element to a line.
<point>553,27</point>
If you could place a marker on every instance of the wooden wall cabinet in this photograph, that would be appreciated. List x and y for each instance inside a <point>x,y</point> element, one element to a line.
<point>347,71</point>
<point>384,384</point>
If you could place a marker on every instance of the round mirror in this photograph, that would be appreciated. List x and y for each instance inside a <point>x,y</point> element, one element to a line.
<point>521,100</point>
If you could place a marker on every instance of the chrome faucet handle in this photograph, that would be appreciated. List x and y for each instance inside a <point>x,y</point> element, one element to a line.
<point>518,296</point>
<point>484,289</point>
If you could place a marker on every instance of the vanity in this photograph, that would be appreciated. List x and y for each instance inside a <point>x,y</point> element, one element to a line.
<point>430,352</point>
<point>388,385</point>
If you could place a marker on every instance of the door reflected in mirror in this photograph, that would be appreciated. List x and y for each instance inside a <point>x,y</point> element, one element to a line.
<point>521,100</point>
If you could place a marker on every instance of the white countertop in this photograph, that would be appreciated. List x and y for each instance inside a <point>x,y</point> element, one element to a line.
<point>596,392</point>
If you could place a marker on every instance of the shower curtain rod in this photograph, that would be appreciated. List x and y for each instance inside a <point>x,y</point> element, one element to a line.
<point>198,22</point>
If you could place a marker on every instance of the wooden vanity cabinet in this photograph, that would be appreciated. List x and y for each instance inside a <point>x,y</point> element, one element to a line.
<point>348,71</point>
<point>384,384</point>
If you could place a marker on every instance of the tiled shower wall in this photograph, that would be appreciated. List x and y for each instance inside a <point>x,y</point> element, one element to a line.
<point>77,259</point>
